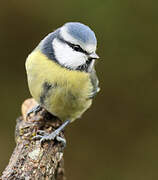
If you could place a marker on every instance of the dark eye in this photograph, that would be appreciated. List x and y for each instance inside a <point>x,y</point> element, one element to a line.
<point>77,48</point>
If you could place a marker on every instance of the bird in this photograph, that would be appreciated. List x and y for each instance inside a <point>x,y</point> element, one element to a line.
<point>61,74</point>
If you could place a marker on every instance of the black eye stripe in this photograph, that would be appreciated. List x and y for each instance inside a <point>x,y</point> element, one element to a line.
<point>74,46</point>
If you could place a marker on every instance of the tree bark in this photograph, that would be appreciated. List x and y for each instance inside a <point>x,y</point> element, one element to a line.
<point>31,160</point>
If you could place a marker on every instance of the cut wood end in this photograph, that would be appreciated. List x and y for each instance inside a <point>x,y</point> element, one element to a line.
<point>27,105</point>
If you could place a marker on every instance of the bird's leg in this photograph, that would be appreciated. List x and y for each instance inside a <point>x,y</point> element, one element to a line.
<point>35,110</point>
<point>43,136</point>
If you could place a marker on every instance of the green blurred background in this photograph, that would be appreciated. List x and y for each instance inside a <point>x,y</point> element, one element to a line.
<point>117,139</point>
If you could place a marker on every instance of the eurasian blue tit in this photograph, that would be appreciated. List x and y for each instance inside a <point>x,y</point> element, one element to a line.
<point>61,74</point>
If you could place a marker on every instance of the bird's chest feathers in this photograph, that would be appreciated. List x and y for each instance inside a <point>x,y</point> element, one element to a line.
<point>59,87</point>
<point>67,88</point>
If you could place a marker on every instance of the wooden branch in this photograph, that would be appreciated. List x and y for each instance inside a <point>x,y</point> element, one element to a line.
<point>31,160</point>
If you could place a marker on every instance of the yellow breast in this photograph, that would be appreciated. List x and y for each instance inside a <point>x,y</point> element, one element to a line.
<point>69,90</point>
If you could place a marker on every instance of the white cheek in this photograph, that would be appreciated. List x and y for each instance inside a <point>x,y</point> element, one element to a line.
<point>66,56</point>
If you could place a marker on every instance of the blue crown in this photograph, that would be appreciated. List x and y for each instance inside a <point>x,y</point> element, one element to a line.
<point>81,32</point>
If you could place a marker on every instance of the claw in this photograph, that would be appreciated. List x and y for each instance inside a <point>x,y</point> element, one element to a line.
<point>42,133</point>
<point>35,110</point>
<point>37,137</point>
<point>62,140</point>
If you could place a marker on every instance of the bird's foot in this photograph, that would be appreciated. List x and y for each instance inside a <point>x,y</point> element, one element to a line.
<point>44,136</point>
<point>35,110</point>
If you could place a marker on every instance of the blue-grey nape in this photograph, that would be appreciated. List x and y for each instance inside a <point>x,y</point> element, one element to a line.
<point>81,32</point>
<point>46,45</point>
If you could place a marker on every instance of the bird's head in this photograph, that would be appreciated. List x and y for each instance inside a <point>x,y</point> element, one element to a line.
<point>74,46</point>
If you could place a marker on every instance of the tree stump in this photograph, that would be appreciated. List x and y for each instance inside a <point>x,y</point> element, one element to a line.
<point>31,160</point>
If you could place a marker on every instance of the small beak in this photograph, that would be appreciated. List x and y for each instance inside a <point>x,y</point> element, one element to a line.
<point>94,56</point>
